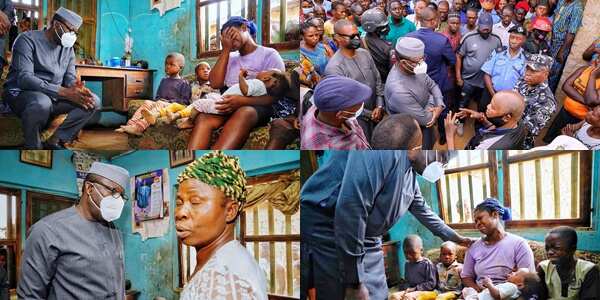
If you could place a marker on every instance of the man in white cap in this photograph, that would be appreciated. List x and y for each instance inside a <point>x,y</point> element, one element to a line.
<point>77,253</point>
<point>409,89</point>
<point>42,83</point>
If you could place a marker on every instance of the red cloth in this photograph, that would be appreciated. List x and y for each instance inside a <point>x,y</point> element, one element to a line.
<point>522,4</point>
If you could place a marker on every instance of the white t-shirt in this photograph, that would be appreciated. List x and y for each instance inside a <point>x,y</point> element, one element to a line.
<point>507,291</point>
<point>502,32</point>
<point>583,136</point>
<point>207,104</point>
<point>231,273</point>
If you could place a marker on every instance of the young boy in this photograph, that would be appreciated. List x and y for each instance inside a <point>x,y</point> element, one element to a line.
<point>563,275</point>
<point>521,284</point>
<point>201,86</point>
<point>173,94</point>
<point>448,270</point>
<point>419,272</point>
<point>271,82</point>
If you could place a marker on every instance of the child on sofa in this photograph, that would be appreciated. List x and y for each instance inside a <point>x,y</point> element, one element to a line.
<point>173,94</point>
<point>272,82</point>
<point>419,271</point>
<point>448,270</point>
<point>201,86</point>
<point>522,284</point>
<point>562,266</point>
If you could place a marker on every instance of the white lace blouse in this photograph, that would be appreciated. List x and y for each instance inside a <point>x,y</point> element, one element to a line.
<point>230,274</point>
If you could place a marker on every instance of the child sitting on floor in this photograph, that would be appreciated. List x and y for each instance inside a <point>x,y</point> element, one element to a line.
<point>419,272</point>
<point>173,94</point>
<point>521,284</point>
<point>272,82</point>
<point>565,276</point>
<point>448,270</point>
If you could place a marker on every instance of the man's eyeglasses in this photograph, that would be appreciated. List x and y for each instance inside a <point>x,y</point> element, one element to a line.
<point>349,36</point>
<point>113,191</point>
<point>66,28</point>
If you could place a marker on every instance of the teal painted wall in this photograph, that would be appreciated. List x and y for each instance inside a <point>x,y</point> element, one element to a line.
<point>589,239</point>
<point>155,36</point>
<point>113,23</point>
<point>60,180</point>
<point>151,265</point>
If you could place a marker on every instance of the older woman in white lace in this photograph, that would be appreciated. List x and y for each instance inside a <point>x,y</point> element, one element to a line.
<point>210,196</point>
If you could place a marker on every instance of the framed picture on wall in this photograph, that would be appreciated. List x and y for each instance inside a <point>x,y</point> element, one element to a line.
<point>180,157</point>
<point>42,158</point>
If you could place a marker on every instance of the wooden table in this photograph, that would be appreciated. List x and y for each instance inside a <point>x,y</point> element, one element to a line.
<point>119,85</point>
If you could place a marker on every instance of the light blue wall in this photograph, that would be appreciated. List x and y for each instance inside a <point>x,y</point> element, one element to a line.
<point>152,265</point>
<point>155,36</point>
<point>113,23</point>
<point>589,239</point>
<point>60,180</point>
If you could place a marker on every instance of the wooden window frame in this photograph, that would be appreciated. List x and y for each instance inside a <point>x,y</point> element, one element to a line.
<point>32,7</point>
<point>273,238</point>
<point>92,20</point>
<point>200,4</point>
<point>585,173</point>
<point>45,197</point>
<point>492,173</point>
<point>266,29</point>
<point>15,243</point>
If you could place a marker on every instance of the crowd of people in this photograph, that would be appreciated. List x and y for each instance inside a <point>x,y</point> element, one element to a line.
<point>401,74</point>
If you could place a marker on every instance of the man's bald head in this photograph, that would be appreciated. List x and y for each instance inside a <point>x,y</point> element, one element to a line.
<point>428,17</point>
<point>510,102</point>
<point>506,109</point>
<point>343,27</point>
<point>398,131</point>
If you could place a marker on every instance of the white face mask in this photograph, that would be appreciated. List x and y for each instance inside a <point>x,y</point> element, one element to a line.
<point>421,68</point>
<point>67,39</point>
<point>358,112</point>
<point>434,171</point>
<point>110,207</point>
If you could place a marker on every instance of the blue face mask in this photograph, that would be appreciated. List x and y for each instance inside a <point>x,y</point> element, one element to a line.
<point>307,11</point>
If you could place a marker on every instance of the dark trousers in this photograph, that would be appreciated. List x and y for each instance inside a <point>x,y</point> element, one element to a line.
<point>470,92</point>
<point>428,138</point>
<point>320,266</point>
<point>562,119</point>
<point>36,109</point>
<point>450,97</point>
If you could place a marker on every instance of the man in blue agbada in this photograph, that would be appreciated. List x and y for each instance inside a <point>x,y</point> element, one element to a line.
<point>348,204</point>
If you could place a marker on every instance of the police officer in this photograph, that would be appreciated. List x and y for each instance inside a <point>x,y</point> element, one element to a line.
<point>376,25</point>
<point>505,66</point>
<point>536,42</point>
<point>540,103</point>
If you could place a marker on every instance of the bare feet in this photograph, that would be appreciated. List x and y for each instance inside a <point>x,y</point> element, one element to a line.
<point>129,129</point>
<point>185,123</point>
<point>54,124</point>
<point>172,117</point>
<point>148,116</point>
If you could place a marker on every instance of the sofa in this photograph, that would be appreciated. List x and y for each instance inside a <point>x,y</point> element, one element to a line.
<point>160,136</point>
<point>539,253</point>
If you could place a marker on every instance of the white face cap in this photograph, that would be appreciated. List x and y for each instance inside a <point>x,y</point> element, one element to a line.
<point>115,173</point>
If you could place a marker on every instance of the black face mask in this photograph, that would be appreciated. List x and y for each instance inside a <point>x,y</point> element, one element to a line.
<point>383,31</point>
<point>497,121</point>
<point>484,36</point>
<point>539,35</point>
<point>354,43</point>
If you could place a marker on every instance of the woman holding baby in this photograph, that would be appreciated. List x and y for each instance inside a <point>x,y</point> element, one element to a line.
<point>237,114</point>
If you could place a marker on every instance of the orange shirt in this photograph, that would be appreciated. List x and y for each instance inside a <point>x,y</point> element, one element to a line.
<point>574,107</point>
